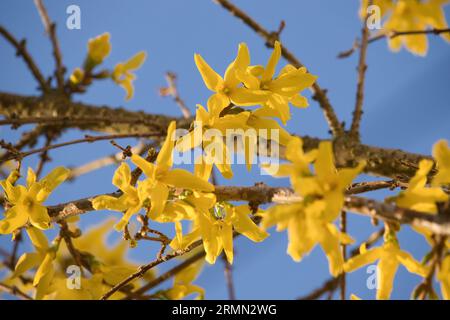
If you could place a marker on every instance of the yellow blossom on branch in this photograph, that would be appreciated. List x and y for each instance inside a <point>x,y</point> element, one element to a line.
<point>389,257</point>
<point>26,201</point>
<point>227,89</point>
<point>123,76</point>
<point>161,176</point>
<point>99,48</point>
<point>130,202</point>
<point>441,153</point>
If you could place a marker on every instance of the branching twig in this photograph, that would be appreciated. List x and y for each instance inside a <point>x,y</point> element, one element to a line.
<point>50,28</point>
<point>22,51</point>
<point>391,35</point>
<point>87,138</point>
<point>362,67</point>
<point>171,90</point>
<point>15,291</point>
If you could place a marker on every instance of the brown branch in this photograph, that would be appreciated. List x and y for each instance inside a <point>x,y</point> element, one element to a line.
<point>20,47</point>
<point>88,139</point>
<point>50,28</point>
<point>391,34</point>
<point>228,272</point>
<point>362,67</point>
<point>171,90</point>
<point>15,291</point>
<point>270,38</point>
<point>343,277</point>
<point>260,193</point>
<point>170,273</point>
<point>144,268</point>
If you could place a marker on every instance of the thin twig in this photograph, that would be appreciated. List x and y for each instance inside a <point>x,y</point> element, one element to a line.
<point>143,269</point>
<point>15,291</point>
<point>229,278</point>
<point>362,67</point>
<point>270,38</point>
<point>50,28</point>
<point>87,138</point>
<point>171,90</point>
<point>391,35</point>
<point>22,51</point>
<point>344,255</point>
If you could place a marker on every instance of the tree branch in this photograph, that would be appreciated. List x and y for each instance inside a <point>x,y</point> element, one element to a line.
<point>362,67</point>
<point>22,51</point>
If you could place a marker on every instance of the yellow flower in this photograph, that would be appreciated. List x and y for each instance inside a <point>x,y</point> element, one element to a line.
<point>444,277</point>
<point>161,176</point>
<point>131,200</point>
<point>123,76</point>
<point>412,15</point>
<point>77,76</point>
<point>26,202</point>
<point>299,162</point>
<point>306,228</point>
<point>310,221</point>
<point>182,284</point>
<point>215,149</point>
<point>215,227</point>
<point>42,259</point>
<point>441,153</point>
<point>389,257</point>
<point>99,48</point>
<point>228,89</point>
<point>281,90</point>
<point>419,197</point>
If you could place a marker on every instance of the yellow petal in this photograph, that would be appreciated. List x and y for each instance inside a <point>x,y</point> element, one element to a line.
<point>411,264</point>
<point>269,71</point>
<point>158,196</point>
<point>136,61</point>
<point>122,177</point>
<point>38,238</point>
<point>165,156</point>
<point>146,167</point>
<point>108,202</point>
<point>31,177</point>
<point>324,164</point>
<point>184,179</point>
<point>226,234</point>
<point>39,217</point>
<point>362,259</point>
<point>26,262</point>
<point>212,80</point>
<point>51,181</point>
<point>16,217</point>
<point>246,97</point>
<point>387,268</point>
<point>244,225</point>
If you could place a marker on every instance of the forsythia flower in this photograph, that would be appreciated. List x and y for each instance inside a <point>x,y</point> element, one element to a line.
<point>441,153</point>
<point>161,176</point>
<point>216,151</point>
<point>99,48</point>
<point>227,89</point>
<point>123,76</point>
<point>26,202</point>
<point>131,200</point>
<point>310,221</point>
<point>77,76</point>
<point>215,227</point>
<point>411,15</point>
<point>419,197</point>
<point>42,259</point>
<point>182,283</point>
<point>389,257</point>
<point>281,90</point>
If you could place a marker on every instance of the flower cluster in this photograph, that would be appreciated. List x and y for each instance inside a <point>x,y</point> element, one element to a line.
<point>99,49</point>
<point>410,15</point>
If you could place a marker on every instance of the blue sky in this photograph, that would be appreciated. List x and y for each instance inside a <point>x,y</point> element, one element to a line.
<point>406,104</point>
